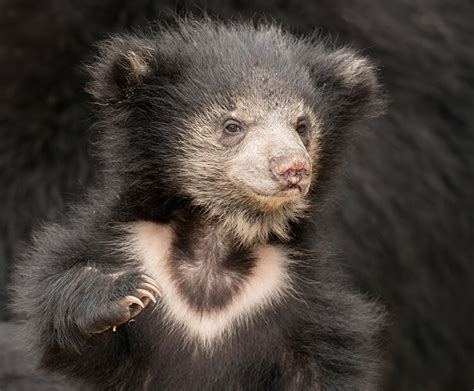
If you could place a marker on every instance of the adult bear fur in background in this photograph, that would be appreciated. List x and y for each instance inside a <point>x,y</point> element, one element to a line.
<point>405,221</point>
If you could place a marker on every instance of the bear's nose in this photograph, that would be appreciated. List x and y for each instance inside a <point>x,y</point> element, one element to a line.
<point>291,165</point>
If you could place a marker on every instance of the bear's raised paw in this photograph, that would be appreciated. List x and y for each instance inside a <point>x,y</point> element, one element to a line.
<point>135,294</point>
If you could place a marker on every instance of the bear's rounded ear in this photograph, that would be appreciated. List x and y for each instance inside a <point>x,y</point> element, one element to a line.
<point>348,83</point>
<point>123,63</point>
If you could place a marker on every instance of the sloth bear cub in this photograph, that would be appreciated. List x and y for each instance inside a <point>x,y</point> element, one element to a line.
<point>197,261</point>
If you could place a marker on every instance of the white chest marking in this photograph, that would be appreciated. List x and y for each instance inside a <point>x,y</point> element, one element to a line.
<point>268,283</point>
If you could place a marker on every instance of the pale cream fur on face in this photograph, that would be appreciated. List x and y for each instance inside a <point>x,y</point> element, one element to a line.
<point>215,178</point>
<point>269,283</point>
<point>250,168</point>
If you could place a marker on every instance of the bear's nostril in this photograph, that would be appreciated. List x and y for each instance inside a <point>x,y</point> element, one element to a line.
<point>291,166</point>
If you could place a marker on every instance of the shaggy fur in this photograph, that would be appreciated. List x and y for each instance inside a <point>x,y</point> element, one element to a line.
<point>240,309</point>
<point>405,222</point>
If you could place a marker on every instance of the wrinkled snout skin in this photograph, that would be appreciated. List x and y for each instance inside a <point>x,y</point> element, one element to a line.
<point>292,168</point>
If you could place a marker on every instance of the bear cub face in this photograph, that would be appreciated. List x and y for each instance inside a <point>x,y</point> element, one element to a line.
<point>244,127</point>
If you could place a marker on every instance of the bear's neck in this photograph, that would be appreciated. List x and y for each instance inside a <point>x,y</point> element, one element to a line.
<point>206,262</point>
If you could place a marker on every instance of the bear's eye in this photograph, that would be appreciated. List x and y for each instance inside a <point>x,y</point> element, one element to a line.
<point>233,128</point>
<point>302,128</point>
<point>231,133</point>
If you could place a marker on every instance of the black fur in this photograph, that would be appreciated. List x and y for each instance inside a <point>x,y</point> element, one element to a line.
<point>322,336</point>
<point>406,221</point>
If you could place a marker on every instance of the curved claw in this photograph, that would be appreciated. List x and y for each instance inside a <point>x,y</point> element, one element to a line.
<point>129,300</point>
<point>150,280</point>
<point>149,287</point>
<point>142,293</point>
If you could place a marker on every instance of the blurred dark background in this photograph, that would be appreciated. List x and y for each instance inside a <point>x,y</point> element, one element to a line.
<point>405,220</point>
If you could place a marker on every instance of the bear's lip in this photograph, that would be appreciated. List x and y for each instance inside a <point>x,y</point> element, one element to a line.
<point>290,191</point>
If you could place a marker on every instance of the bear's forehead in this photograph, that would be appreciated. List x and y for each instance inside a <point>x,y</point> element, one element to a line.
<point>255,91</point>
<point>257,108</point>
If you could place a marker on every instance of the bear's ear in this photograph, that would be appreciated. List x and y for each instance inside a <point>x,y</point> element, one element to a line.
<point>123,64</point>
<point>348,85</point>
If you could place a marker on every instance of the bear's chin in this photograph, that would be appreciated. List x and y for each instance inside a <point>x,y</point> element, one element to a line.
<point>268,217</point>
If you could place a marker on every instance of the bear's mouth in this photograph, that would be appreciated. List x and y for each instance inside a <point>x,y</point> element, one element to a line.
<point>292,190</point>
<point>286,192</point>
